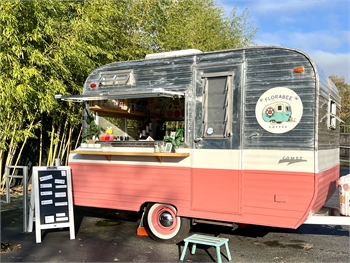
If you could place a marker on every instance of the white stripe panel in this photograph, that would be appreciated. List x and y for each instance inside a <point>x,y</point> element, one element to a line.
<point>216,159</point>
<point>268,160</point>
<point>327,159</point>
<point>278,160</point>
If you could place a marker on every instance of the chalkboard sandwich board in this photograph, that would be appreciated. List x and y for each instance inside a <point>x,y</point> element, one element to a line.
<point>53,199</point>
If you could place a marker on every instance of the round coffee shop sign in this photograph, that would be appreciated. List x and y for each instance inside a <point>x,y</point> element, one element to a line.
<point>279,110</point>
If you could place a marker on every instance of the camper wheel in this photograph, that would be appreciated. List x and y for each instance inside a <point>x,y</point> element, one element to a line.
<point>162,223</point>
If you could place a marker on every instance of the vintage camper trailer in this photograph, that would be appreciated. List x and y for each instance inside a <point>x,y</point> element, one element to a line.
<point>260,142</point>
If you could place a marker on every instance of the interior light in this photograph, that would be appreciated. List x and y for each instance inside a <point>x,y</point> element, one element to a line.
<point>93,85</point>
<point>298,70</point>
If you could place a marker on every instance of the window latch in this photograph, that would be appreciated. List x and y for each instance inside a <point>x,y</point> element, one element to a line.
<point>199,139</point>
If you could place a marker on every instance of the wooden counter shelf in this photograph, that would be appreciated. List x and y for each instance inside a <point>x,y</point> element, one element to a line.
<point>120,112</point>
<point>108,154</point>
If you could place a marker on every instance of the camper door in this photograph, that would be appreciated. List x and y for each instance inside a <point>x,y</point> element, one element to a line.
<point>216,157</point>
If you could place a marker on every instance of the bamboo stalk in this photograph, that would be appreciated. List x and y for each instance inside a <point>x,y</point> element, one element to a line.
<point>63,138</point>
<point>12,147</point>
<point>67,142</point>
<point>56,142</point>
<point>78,139</point>
<point>9,159</point>
<point>2,153</point>
<point>51,146</point>
<point>24,143</point>
<point>68,149</point>
<point>41,146</point>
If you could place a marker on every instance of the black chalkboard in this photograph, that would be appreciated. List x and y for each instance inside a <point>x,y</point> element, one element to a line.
<point>53,198</point>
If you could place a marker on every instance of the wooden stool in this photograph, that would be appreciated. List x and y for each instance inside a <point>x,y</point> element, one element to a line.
<point>216,242</point>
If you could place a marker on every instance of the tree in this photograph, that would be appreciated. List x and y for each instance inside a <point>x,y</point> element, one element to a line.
<point>35,49</point>
<point>344,90</point>
<point>49,47</point>
<point>159,26</point>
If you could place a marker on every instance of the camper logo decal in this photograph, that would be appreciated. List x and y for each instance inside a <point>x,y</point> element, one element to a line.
<point>279,110</point>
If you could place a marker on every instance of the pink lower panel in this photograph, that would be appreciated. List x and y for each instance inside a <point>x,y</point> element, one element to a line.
<point>285,199</point>
<point>216,191</point>
<point>325,186</point>
<point>127,187</point>
<point>272,198</point>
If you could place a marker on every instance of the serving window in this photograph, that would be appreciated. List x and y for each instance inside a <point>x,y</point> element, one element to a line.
<point>139,119</point>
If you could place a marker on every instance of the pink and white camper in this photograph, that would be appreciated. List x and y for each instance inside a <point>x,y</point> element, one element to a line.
<point>260,141</point>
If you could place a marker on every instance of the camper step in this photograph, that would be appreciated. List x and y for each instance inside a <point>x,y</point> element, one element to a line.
<point>216,242</point>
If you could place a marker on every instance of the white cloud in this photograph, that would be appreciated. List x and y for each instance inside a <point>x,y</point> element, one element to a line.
<point>330,63</point>
<point>320,28</point>
<point>312,44</point>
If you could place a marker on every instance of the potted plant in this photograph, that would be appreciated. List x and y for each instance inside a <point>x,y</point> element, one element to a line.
<point>92,131</point>
<point>177,140</point>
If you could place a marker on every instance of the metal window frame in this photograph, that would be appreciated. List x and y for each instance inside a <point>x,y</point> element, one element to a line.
<point>119,77</point>
<point>227,104</point>
<point>332,116</point>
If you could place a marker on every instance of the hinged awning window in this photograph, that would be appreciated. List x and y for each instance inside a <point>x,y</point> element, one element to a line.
<point>120,77</point>
<point>113,95</point>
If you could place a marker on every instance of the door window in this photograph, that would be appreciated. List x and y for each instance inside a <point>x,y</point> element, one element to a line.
<point>217,105</point>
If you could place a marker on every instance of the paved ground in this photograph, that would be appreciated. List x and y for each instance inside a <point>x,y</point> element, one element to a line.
<point>109,236</point>
<point>105,236</point>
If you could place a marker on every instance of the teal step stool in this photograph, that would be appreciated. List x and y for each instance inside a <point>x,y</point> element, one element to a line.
<point>216,242</point>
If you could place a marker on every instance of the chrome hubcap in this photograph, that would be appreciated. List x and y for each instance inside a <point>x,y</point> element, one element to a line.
<point>165,219</point>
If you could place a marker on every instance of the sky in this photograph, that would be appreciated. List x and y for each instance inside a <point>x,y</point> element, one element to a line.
<point>320,28</point>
